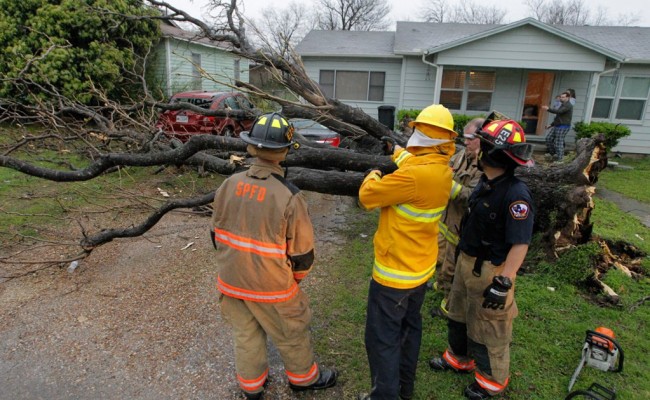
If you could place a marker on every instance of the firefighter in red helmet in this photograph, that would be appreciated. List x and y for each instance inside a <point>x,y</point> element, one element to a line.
<point>494,240</point>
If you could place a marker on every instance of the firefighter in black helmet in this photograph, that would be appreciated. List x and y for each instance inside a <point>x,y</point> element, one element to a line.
<point>494,240</point>
<point>265,247</point>
<point>270,131</point>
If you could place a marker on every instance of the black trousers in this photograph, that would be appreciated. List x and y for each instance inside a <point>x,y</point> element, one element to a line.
<point>393,337</point>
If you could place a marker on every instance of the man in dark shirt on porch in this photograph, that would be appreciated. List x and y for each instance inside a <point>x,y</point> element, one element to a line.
<point>560,126</point>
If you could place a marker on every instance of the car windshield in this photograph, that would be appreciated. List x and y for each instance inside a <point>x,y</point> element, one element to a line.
<point>306,124</point>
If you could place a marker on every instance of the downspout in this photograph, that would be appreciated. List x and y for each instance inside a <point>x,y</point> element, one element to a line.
<point>592,91</point>
<point>168,66</point>
<point>438,83</point>
<point>400,102</point>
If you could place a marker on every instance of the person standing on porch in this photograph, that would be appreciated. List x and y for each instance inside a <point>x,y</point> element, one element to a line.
<point>560,126</point>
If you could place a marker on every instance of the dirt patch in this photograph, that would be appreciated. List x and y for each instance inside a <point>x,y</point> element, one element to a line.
<point>139,319</point>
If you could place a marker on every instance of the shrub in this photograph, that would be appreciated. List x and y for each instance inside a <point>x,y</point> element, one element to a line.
<point>407,113</point>
<point>611,132</point>
<point>460,120</point>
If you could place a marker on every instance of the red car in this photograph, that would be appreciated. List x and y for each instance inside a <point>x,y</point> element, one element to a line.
<point>182,124</point>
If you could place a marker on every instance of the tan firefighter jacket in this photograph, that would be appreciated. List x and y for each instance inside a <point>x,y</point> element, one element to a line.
<point>412,200</point>
<point>263,235</point>
<point>466,176</point>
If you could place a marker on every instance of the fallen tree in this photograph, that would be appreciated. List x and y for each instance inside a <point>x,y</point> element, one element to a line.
<point>563,194</point>
<point>113,136</point>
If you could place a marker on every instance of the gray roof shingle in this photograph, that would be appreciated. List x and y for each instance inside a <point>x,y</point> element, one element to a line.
<point>415,37</point>
<point>412,38</point>
<point>192,37</point>
<point>347,43</point>
<point>632,42</point>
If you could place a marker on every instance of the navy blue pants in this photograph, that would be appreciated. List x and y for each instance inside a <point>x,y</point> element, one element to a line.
<point>393,337</point>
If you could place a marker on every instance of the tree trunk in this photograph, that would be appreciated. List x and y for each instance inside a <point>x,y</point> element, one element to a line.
<point>563,195</point>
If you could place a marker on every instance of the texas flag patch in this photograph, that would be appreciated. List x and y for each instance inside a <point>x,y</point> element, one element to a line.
<point>519,210</point>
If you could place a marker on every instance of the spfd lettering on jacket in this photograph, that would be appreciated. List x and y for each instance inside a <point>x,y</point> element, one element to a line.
<point>246,190</point>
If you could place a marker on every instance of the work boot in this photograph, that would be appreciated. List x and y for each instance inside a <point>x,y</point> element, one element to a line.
<point>253,396</point>
<point>402,396</point>
<point>405,394</point>
<point>326,379</point>
<point>475,392</point>
<point>440,364</point>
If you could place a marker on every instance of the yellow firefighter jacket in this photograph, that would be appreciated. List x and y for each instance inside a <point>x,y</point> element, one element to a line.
<point>412,200</point>
<point>263,235</point>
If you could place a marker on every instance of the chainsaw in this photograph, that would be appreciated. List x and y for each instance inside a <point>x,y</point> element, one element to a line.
<point>602,352</point>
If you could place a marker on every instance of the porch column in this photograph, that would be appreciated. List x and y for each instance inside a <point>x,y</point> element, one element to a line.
<point>591,97</point>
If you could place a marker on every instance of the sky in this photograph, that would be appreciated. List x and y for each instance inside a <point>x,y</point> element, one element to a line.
<point>516,8</point>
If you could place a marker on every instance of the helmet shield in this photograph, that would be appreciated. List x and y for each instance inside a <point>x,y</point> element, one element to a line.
<point>270,131</point>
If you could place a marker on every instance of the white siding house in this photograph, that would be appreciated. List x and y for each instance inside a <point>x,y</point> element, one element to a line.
<point>183,61</point>
<point>513,68</point>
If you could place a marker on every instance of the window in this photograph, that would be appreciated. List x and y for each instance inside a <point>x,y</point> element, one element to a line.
<point>196,71</point>
<point>621,98</point>
<point>232,103</point>
<point>465,90</point>
<point>353,85</point>
<point>199,102</point>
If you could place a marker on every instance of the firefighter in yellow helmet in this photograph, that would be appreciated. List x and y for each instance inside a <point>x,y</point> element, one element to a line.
<point>411,201</point>
<point>265,247</point>
<point>494,240</point>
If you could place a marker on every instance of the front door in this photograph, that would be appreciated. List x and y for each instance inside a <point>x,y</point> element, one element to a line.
<point>539,88</point>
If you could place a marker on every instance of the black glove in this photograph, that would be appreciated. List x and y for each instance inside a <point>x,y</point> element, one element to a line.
<point>369,170</point>
<point>495,294</point>
<point>388,169</point>
<point>388,145</point>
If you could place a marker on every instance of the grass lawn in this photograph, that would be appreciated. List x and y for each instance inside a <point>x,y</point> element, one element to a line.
<point>548,334</point>
<point>631,183</point>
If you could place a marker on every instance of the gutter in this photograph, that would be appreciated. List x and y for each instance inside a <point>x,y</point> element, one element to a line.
<point>595,80</point>
<point>438,83</point>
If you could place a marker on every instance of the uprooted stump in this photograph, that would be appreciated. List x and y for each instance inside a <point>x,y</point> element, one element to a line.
<point>563,195</point>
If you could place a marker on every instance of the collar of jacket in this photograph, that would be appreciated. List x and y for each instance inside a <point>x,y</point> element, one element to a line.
<point>262,169</point>
<point>426,155</point>
<point>489,184</point>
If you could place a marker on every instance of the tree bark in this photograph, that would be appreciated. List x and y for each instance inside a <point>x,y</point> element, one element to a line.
<point>563,195</point>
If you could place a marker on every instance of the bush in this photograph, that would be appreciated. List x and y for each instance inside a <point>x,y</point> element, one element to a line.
<point>407,113</point>
<point>460,120</point>
<point>611,132</point>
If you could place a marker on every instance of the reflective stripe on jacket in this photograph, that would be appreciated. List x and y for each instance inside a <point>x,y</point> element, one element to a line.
<point>412,200</point>
<point>449,236</point>
<point>263,235</point>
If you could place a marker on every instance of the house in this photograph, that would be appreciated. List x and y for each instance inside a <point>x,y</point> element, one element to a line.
<point>513,68</point>
<point>183,61</point>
